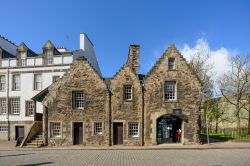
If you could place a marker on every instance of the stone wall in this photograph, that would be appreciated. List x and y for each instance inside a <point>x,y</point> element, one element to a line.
<point>188,96</point>
<point>80,77</point>
<point>127,111</point>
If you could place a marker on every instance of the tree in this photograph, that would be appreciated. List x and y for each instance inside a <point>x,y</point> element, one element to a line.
<point>235,84</point>
<point>247,108</point>
<point>216,112</point>
<point>203,69</point>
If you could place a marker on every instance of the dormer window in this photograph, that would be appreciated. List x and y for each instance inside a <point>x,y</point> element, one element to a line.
<point>49,54</point>
<point>171,64</point>
<point>23,58</point>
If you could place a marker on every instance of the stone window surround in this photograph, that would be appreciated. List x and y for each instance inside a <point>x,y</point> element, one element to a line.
<point>72,130</point>
<point>72,99</point>
<point>36,87</point>
<point>93,128</point>
<point>28,107</point>
<point>18,86</point>
<point>11,109</point>
<point>3,83</point>
<point>175,63</point>
<point>23,56</point>
<point>176,91</point>
<point>133,136</point>
<point>49,128</point>
<point>132,91</point>
<point>49,56</point>
<point>5,102</point>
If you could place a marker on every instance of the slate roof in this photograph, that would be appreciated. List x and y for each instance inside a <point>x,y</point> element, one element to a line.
<point>6,54</point>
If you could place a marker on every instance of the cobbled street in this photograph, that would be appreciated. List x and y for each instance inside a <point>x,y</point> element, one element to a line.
<point>211,157</point>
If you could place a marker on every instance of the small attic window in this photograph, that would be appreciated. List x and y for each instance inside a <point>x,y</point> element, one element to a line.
<point>49,54</point>
<point>23,58</point>
<point>171,64</point>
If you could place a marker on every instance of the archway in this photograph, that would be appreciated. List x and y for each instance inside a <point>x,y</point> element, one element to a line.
<point>168,127</point>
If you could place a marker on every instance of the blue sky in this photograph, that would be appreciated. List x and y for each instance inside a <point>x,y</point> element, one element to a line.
<point>113,25</point>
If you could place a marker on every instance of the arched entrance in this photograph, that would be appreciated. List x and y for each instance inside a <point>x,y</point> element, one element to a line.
<point>167,128</point>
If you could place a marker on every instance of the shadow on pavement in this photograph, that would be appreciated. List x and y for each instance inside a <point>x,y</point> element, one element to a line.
<point>16,155</point>
<point>43,163</point>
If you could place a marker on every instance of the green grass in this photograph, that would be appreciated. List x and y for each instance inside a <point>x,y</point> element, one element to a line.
<point>223,137</point>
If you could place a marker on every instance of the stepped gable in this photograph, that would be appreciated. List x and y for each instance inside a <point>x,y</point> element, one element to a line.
<point>53,88</point>
<point>171,48</point>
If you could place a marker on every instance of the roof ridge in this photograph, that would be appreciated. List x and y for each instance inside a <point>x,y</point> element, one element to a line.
<point>8,40</point>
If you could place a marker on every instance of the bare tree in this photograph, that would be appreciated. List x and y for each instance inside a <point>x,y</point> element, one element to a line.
<point>247,108</point>
<point>235,84</point>
<point>200,65</point>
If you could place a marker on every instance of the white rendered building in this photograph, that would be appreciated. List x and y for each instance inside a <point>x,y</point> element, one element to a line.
<point>23,74</point>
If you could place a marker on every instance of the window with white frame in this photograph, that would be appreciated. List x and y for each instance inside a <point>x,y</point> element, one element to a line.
<point>98,128</point>
<point>30,107</point>
<point>55,78</point>
<point>171,64</point>
<point>127,92</point>
<point>3,129</point>
<point>37,82</point>
<point>170,90</point>
<point>15,105</point>
<point>23,58</point>
<point>16,82</point>
<point>2,82</point>
<point>49,57</point>
<point>78,99</point>
<point>133,129</point>
<point>55,129</point>
<point>3,107</point>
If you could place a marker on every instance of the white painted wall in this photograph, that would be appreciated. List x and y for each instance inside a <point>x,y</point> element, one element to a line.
<point>27,87</point>
<point>88,51</point>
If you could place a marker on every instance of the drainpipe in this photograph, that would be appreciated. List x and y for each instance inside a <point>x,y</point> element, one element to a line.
<point>8,105</point>
<point>110,118</point>
<point>142,125</point>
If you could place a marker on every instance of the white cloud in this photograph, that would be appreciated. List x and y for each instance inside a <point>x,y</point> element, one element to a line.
<point>218,58</point>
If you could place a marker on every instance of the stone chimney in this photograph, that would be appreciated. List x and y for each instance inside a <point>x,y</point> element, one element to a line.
<point>133,58</point>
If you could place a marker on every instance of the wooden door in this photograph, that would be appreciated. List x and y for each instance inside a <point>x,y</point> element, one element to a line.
<point>118,133</point>
<point>78,133</point>
<point>19,131</point>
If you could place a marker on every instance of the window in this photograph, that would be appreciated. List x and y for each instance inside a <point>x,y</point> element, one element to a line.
<point>16,82</point>
<point>171,63</point>
<point>55,129</point>
<point>49,57</point>
<point>3,129</point>
<point>37,82</point>
<point>30,108</point>
<point>170,90</point>
<point>23,58</point>
<point>133,129</point>
<point>98,128</point>
<point>2,83</point>
<point>78,100</point>
<point>127,92</point>
<point>15,105</point>
<point>55,78</point>
<point>3,106</point>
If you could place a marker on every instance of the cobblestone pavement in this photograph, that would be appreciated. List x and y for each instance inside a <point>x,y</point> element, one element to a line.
<point>211,157</point>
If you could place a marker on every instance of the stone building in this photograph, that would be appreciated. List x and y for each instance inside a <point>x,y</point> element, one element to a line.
<point>128,109</point>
